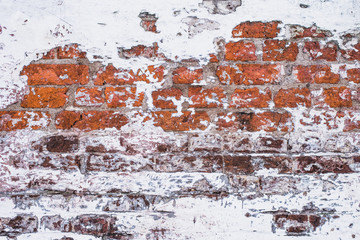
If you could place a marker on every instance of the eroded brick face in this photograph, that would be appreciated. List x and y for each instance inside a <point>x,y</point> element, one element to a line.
<point>258,139</point>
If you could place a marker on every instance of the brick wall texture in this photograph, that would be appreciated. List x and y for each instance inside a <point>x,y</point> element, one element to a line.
<point>262,141</point>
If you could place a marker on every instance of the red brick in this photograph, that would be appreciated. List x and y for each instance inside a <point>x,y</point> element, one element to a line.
<point>111,75</point>
<point>59,143</point>
<point>166,98</point>
<point>249,74</point>
<point>170,121</point>
<point>54,74</point>
<point>293,97</point>
<point>45,97</point>
<point>15,120</point>
<point>352,54</point>
<point>123,97</point>
<point>240,51</point>
<point>250,98</point>
<point>280,50</point>
<point>315,74</point>
<point>90,120</point>
<point>267,121</point>
<point>297,31</point>
<point>20,224</point>
<point>90,97</point>
<point>207,98</point>
<point>184,75</point>
<point>256,30</point>
<point>319,51</point>
<point>70,51</point>
<point>238,164</point>
<point>353,75</point>
<point>333,97</point>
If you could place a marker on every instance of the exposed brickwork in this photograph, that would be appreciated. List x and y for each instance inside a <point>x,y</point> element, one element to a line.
<point>261,138</point>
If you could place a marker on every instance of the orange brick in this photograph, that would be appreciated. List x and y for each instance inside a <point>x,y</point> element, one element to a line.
<point>240,51</point>
<point>293,97</point>
<point>266,121</point>
<point>54,74</point>
<point>333,97</point>
<point>184,75</point>
<point>297,31</point>
<point>90,97</point>
<point>90,120</point>
<point>45,97</point>
<point>256,30</point>
<point>114,76</point>
<point>70,51</point>
<point>170,121</point>
<point>280,50</point>
<point>164,98</point>
<point>319,51</point>
<point>16,120</point>
<point>353,75</point>
<point>249,74</point>
<point>316,73</point>
<point>352,54</point>
<point>207,98</point>
<point>250,98</point>
<point>123,97</point>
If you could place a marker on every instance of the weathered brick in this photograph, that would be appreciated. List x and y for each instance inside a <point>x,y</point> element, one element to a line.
<point>150,52</point>
<point>267,121</point>
<point>148,21</point>
<point>240,51</point>
<point>172,121</point>
<point>113,76</point>
<point>238,164</point>
<point>205,142</point>
<point>256,30</point>
<point>123,97</point>
<point>353,75</point>
<point>332,97</point>
<point>15,120</point>
<point>207,98</point>
<point>270,144</point>
<point>250,98</point>
<point>317,51</point>
<point>292,98</point>
<point>282,164</point>
<point>89,97</point>
<point>181,163</point>
<point>249,74</point>
<point>237,143</point>
<point>297,31</point>
<point>297,224</point>
<point>97,225</point>
<point>61,143</point>
<point>332,120</point>
<point>166,98</point>
<point>70,51</point>
<point>352,122</point>
<point>319,164</point>
<point>90,120</point>
<point>353,53</point>
<point>54,74</point>
<point>45,97</point>
<point>184,75</point>
<point>20,224</point>
<point>113,162</point>
<point>316,74</point>
<point>280,50</point>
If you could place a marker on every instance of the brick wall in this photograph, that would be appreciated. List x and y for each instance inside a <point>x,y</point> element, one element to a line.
<point>262,141</point>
